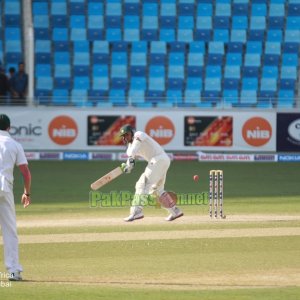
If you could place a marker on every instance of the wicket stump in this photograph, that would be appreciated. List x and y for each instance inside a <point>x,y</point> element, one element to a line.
<point>216,193</point>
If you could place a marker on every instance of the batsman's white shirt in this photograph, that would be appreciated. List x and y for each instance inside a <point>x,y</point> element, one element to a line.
<point>144,146</point>
<point>154,176</point>
<point>11,154</point>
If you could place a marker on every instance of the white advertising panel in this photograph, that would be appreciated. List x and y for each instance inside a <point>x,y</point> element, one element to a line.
<point>179,130</point>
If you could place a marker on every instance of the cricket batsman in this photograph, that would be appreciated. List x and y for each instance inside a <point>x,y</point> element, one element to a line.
<point>152,181</point>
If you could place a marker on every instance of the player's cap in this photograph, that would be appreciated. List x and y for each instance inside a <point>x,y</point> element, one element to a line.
<point>125,129</point>
<point>4,122</point>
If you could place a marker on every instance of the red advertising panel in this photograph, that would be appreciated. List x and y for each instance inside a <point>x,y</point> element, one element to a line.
<point>208,131</point>
<point>104,130</point>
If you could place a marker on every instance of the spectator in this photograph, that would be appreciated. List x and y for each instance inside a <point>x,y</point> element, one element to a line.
<point>19,84</point>
<point>4,86</point>
<point>11,74</point>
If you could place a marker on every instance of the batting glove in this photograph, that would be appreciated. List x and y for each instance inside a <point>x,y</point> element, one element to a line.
<point>130,163</point>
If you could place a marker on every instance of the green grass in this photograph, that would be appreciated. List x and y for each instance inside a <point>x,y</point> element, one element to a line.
<point>242,268</point>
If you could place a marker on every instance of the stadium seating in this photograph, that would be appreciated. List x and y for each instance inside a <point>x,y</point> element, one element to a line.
<point>163,52</point>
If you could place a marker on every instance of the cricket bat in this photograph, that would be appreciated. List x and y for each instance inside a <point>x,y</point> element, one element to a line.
<point>106,178</point>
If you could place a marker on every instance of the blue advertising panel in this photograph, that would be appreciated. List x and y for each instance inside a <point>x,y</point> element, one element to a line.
<point>288,132</point>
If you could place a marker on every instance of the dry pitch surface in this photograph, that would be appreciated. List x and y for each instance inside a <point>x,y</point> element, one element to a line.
<point>220,280</point>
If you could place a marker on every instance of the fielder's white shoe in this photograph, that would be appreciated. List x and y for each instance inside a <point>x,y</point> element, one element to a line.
<point>175,214</point>
<point>15,276</point>
<point>136,213</point>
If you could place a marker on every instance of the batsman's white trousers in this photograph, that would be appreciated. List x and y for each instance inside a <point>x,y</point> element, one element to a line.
<point>9,232</point>
<point>154,177</point>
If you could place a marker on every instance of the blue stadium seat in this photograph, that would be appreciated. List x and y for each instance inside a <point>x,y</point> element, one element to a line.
<point>167,22</point>
<point>249,83</point>
<point>101,83</point>
<point>268,84</point>
<point>42,70</point>
<point>235,47</point>
<point>44,83</point>
<point>221,22</point>
<point>138,83</point>
<point>274,35</point>
<point>213,72</point>
<point>79,97</point>
<point>292,36</point>
<point>193,83</point>
<point>131,9</point>
<point>293,23</point>
<point>81,59</point>
<point>61,70</point>
<point>59,21</point>
<point>294,9</point>
<point>270,72</point>
<point>205,9</point>
<point>238,36</point>
<point>62,83</point>
<point>131,22</point>
<point>248,97</point>
<point>62,58</point>
<point>60,97</point>
<point>81,83</point>
<point>276,22</point>
<point>286,99</point>
<point>149,35</point>
<point>230,98</point>
<point>176,71</point>
<point>136,96</point>
<point>117,97</point>
<point>95,8</point>
<point>174,96</point>
<point>167,35</point>
<point>240,9</point>
<point>258,23</point>
<point>177,59</point>
<point>239,22</point>
<point>291,47</point>
<point>204,22</point>
<point>192,96</point>
<point>39,21</point>
<point>231,84</point>
<point>100,70</point>
<point>12,33</point>
<point>259,9</point>
<point>150,9</point>
<point>232,72</point>
<point>287,84</point>
<point>40,8</point>
<point>234,59</point>
<point>290,59</point>
<point>197,47</point>
<point>58,8</point>
<point>252,60</point>
<point>254,47</point>
<point>156,84</point>
<point>186,9</point>
<point>223,9</point>
<point>289,72</point>
<point>77,21</point>
<point>168,9</point>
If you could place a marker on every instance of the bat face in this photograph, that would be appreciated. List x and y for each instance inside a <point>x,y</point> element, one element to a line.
<point>106,178</point>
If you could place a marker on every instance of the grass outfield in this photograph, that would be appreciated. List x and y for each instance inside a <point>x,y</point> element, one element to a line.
<point>69,249</point>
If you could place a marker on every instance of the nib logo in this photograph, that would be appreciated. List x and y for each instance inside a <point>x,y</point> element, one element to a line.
<point>257,131</point>
<point>161,129</point>
<point>62,130</point>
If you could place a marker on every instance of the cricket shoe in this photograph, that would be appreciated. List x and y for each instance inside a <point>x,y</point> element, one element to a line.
<point>15,276</point>
<point>134,217</point>
<point>176,213</point>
